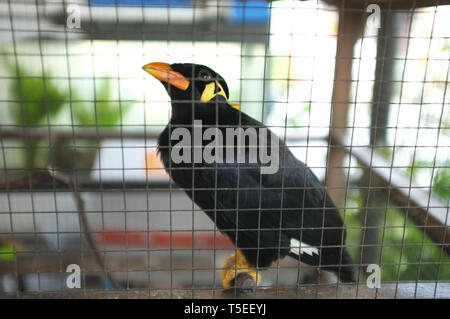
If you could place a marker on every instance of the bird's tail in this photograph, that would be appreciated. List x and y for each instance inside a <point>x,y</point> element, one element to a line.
<point>346,270</point>
<point>346,274</point>
<point>342,267</point>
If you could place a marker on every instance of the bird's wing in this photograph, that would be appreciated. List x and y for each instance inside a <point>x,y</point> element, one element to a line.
<point>301,189</point>
<point>293,189</point>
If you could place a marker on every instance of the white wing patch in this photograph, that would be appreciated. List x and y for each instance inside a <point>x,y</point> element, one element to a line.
<point>299,248</point>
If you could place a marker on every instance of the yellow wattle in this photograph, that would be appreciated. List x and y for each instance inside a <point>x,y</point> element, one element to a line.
<point>208,93</point>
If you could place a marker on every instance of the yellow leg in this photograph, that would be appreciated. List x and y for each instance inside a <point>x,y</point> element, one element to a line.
<point>236,264</point>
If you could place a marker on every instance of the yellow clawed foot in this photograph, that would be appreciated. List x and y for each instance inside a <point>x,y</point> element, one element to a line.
<point>235,265</point>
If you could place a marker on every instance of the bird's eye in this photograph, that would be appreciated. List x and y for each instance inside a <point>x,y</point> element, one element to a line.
<point>204,75</point>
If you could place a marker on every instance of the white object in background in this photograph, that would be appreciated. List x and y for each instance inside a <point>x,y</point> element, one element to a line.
<point>128,160</point>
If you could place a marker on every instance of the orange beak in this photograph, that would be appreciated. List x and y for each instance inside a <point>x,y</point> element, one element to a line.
<point>163,72</point>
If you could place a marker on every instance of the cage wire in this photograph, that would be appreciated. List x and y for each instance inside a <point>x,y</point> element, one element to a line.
<point>359,90</point>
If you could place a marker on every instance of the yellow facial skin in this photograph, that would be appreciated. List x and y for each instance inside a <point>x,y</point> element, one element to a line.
<point>208,93</point>
<point>163,72</point>
<point>236,106</point>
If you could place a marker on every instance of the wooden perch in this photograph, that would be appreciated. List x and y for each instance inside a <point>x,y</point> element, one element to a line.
<point>386,291</point>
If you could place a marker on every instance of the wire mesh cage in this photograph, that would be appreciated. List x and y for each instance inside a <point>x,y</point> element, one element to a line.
<point>93,202</point>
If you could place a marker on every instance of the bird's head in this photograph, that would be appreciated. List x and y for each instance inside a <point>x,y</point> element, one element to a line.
<point>186,82</point>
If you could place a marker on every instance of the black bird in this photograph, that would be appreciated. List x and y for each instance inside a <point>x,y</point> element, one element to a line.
<point>268,213</point>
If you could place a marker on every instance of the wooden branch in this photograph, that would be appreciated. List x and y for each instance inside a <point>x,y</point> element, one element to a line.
<point>84,223</point>
<point>329,291</point>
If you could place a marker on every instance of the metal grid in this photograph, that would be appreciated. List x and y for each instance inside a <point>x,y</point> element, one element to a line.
<point>71,192</point>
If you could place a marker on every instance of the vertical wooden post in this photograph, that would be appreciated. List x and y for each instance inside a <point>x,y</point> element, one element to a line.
<point>373,212</point>
<point>350,29</point>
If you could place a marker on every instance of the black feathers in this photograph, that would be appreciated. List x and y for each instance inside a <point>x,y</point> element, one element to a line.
<point>262,213</point>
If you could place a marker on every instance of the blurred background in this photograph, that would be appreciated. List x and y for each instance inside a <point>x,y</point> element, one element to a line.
<point>364,101</point>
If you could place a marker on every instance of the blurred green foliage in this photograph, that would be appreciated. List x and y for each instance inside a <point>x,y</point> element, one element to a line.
<point>40,100</point>
<point>40,97</point>
<point>405,253</point>
<point>408,254</point>
<point>441,176</point>
<point>101,113</point>
<point>441,182</point>
<point>6,252</point>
